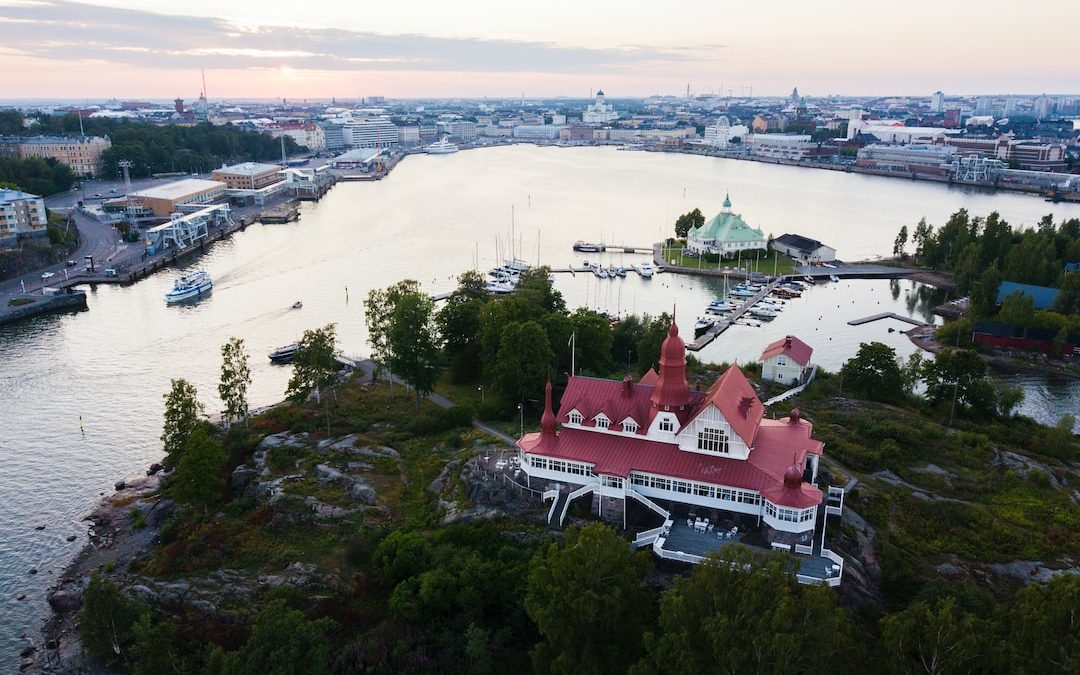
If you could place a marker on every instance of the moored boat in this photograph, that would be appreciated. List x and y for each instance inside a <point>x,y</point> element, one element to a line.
<point>645,270</point>
<point>587,247</point>
<point>702,325</point>
<point>441,147</point>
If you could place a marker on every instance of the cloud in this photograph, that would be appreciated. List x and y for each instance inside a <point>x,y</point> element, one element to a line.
<point>71,31</point>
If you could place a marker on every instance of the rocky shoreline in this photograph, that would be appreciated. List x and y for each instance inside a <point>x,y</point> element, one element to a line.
<point>116,537</point>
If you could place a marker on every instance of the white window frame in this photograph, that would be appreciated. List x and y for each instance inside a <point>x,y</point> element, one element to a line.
<point>666,425</point>
<point>602,421</point>
<point>574,417</point>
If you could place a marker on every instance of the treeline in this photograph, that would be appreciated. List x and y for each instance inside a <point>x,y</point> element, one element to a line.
<point>512,343</point>
<point>466,599</point>
<point>156,148</point>
<point>982,252</point>
<point>35,175</point>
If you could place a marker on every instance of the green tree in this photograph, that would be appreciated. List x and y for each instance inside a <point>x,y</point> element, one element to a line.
<point>523,361</point>
<point>921,237</point>
<point>197,480</point>
<point>1043,631</point>
<point>983,296</point>
<point>283,642</point>
<point>625,336</point>
<point>960,374</point>
<point>592,341</point>
<point>314,365</point>
<point>1017,309</point>
<point>153,652</point>
<point>106,619</point>
<point>413,343</point>
<point>686,221</point>
<point>653,336</point>
<point>587,601</point>
<point>911,372</point>
<point>182,409</point>
<point>873,373</point>
<point>936,640</point>
<point>459,327</point>
<point>900,242</point>
<point>744,612</point>
<point>1068,300</point>
<point>235,379</point>
<point>379,316</point>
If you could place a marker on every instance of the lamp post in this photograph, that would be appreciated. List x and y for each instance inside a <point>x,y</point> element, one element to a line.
<point>521,420</point>
<point>481,390</point>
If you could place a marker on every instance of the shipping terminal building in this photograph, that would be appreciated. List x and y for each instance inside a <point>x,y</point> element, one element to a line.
<point>707,468</point>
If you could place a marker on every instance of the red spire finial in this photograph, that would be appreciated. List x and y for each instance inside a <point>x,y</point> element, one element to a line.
<point>547,421</point>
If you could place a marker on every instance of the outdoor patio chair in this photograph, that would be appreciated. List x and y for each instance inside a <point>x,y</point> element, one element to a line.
<point>689,523</point>
<point>711,526</point>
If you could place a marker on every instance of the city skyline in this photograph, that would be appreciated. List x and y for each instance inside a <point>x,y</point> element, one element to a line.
<point>123,49</point>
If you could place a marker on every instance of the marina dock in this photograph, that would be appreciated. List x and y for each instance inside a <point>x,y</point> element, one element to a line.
<point>724,323</point>
<point>887,315</point>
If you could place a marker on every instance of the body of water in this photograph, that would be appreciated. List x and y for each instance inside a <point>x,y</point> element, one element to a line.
<point>431,219</point>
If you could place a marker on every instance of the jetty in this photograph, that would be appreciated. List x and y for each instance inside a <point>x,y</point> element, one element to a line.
<point>887,315</point>
<point>724,323</point>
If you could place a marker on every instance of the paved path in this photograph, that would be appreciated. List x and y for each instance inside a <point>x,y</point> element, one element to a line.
<point>367,367</point>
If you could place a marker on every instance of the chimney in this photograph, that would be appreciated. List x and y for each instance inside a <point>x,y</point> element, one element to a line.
<point>744,405</point>
<point>787,342</point>
<point>794,417</point>
<point>627,385</point>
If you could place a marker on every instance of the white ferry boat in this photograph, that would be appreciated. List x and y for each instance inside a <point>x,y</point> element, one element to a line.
<point>194,285</point>
<point>441,147</point>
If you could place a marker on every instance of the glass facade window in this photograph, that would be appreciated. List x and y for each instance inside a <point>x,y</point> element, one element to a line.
<point>711,439</point>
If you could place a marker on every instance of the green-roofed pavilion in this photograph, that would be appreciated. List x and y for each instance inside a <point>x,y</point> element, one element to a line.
<point>725,233</point>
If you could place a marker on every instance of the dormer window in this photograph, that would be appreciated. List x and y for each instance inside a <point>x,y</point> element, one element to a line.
<point>629,426</point>
<point>711,439</point>
<point>666,424</point>
<point>602,422</point>
<point>574,417</point>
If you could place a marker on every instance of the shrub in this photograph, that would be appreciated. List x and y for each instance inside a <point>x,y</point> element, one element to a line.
<point>106,619</point>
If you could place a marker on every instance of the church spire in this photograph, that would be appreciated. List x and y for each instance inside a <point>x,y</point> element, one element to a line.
<point>547,421</point>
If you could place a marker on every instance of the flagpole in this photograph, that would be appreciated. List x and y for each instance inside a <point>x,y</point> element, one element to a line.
<point>573,352</point>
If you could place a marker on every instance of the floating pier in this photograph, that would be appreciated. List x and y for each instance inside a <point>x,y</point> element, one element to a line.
<point>887,315</point>
<point>724,323</point>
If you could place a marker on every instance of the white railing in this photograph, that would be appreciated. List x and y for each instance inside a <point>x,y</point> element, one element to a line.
<point>648,536</point>
<point>837,560</point>
<point>677,555</point>
<point>648,502</point>
<point>554,503</point>
<point>591,487</point>
<point>804,550</point>
<point>782,547</point>
<point>835,494</point>
<point>550,494</point>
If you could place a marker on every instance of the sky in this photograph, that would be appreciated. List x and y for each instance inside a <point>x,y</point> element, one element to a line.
<point>423,48</point>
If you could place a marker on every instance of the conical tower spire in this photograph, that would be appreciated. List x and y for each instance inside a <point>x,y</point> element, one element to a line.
<point>547,420</point>
<point>672,391</point>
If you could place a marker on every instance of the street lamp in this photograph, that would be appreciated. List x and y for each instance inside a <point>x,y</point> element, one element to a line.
<point>481,390</point>
<point>521,420</point>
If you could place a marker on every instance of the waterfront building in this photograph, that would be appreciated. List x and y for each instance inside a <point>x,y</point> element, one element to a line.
<point>310,136</point>
<point>1019,154</point>
<point>372,132</point>
<point>1042,297</point>
<point>599,111</point>
<point>709,464</point>
<point>81,153</point>
<point>21,215</point>
<point>791,147</point>
<point>804,249</point>
<point>459,130</point>
<point>247,176</point>
<point>161,201</point>
<point>908,159</point>
<point>409,135</point>
<point>356,158</point>
<point>786,361</point>
<point>894,131</point>
<point>719,135</point>
<point>537,132</point>
<point>333,136</point>
<point>726,233</point>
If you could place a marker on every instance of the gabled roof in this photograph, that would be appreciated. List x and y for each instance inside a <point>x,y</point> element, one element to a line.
<point>737,402</point>
<point>803,244</point>
<point>791,346</point>
<point>615,399</point>
<point>650,378</point>
<point>1042,296</point>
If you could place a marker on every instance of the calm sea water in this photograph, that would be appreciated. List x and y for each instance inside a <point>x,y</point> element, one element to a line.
<point>429,220</point>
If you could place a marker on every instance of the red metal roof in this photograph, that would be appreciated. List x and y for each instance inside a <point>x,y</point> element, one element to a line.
<point>737,402</point>
<point>791,346</point>
<point>617,400</point>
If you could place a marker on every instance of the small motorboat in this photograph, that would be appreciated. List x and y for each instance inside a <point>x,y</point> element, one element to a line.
<point>297,305</point>
<point>808,279</point>
<point>645,269</point>
<point>284,354</point>
<point>833,278</point>
<point>742,293</point>
<point>719,306</point>
<point>621,272</point>
<point>702,325</point>
<point>763,312</point>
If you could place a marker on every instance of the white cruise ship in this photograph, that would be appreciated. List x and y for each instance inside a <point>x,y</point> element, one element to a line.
<point>194,285</point>
<point>441,147</point>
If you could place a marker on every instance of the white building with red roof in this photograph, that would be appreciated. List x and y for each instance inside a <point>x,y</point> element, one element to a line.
<point>708,464</point>
<point>786,361</point>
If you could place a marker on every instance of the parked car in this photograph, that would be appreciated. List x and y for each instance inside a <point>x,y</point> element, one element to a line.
<point>71,263</point>
<point>47,275</point>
